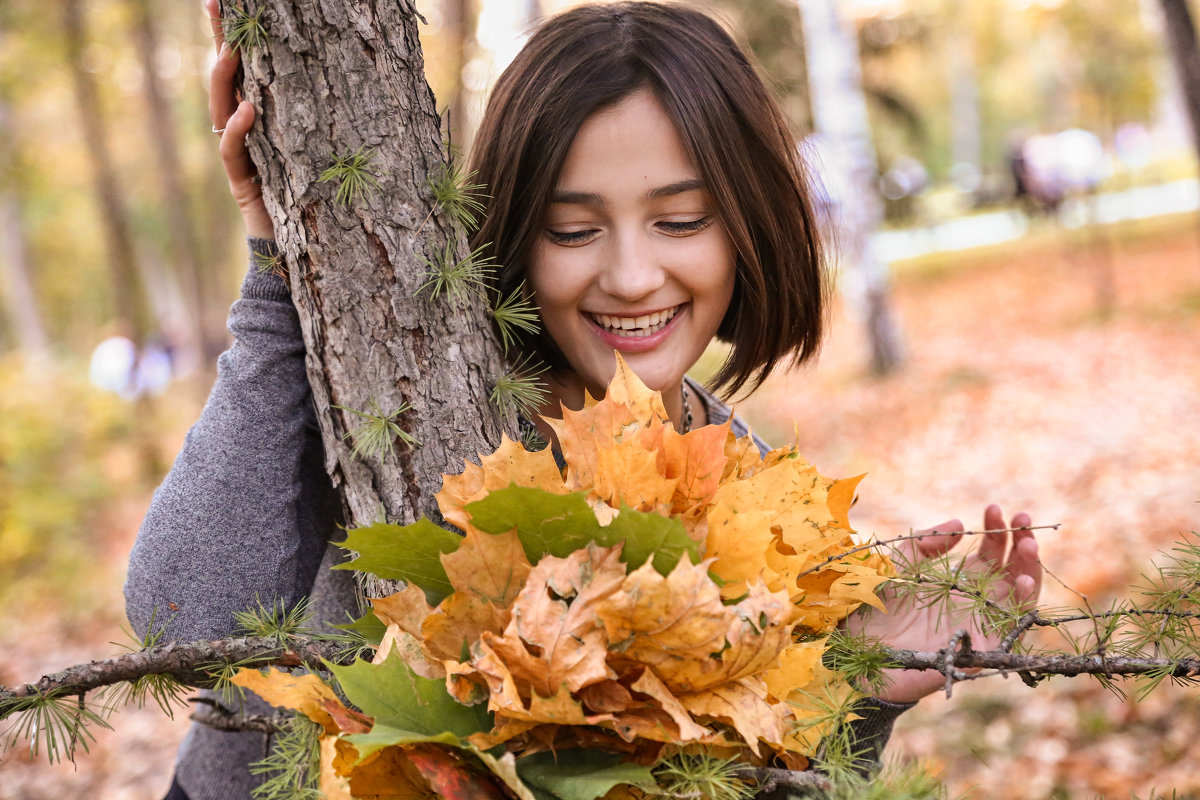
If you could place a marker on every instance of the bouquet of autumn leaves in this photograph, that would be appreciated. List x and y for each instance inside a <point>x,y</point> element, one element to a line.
<point>663,595</point>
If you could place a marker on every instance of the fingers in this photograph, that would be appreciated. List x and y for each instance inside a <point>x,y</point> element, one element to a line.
<point>991,551</point>
<point>238,165</point>
<point>222,98</point>
<point>928,542</point>
<point>1024,568</point>
<point>943,537</point>
<point>214,19</point>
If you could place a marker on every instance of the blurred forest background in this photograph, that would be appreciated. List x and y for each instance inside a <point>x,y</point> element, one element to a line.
<point>1036,248</point>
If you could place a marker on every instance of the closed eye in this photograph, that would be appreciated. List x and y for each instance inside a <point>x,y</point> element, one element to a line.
<point>570,238</point>
<point>685,228</point>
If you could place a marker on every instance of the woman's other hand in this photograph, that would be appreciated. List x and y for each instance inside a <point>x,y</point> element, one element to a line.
<point>908,625</point>
<point>234,120</point>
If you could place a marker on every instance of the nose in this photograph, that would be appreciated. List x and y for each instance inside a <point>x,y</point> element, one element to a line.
<point>632,271</point>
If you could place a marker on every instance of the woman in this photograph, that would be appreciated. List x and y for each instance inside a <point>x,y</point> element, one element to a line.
<point>646,190</point>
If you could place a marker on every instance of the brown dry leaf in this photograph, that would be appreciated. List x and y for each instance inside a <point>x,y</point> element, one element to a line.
<point>458,621</point>
<point>450,776</point>
<point>679,626</point>
<point>406,608</point>
<point>492,566</point>
<point>554,638</point>
<point>743,705</point>
<point>304,693</point>
<point>687,728</point>
<point>388,775</point>
<point>606,697</point>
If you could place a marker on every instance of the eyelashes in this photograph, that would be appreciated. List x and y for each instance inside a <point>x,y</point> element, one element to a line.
<point>580,237</point>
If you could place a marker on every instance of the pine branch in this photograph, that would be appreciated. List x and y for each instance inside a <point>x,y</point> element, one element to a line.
<point>188,662</point>
<point>999,662</point>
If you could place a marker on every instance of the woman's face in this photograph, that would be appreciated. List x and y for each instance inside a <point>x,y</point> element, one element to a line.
<point>632,256</point>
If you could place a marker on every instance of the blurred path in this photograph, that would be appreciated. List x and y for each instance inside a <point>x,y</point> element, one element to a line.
<point>997,227</point>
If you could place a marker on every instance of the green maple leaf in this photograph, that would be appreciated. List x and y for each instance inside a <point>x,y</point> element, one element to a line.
<point>406,707</point>
<point>560,524</point>
<point>581,774</point>
<point>409,553</point>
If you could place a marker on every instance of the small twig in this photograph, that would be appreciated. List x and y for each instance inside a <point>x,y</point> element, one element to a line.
<point>959,645</point>
<point>1027,621</point>
<point>220,718</point>
<point>916,536</point>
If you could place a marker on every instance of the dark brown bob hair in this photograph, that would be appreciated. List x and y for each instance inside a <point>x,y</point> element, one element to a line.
<point>594,56</point>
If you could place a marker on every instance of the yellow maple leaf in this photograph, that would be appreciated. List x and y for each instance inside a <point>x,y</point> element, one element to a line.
<point>511,463</point>
<point>304,693</point>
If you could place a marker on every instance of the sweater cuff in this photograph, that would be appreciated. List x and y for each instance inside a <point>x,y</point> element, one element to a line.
<point>261,283</point>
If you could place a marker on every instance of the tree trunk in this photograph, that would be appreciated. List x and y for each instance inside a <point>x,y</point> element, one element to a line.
<point>16,287</point>
<point>128,297</point>
<point>840,118</point>
<point>1181,34</point>
<point>183,247</point>
<point>331,78</point>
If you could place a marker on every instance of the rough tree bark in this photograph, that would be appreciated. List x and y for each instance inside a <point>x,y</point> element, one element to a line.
<point>331,77</point>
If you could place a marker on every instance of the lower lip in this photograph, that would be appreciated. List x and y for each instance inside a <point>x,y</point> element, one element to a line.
<point>636,344</point>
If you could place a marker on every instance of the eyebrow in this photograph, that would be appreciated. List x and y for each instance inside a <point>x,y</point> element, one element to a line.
<point>593,199</point>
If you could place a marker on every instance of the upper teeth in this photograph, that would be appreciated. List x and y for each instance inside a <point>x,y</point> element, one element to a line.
<point>632,323</point>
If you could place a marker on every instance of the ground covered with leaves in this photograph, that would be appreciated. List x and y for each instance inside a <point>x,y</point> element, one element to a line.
<point>1016,390</point>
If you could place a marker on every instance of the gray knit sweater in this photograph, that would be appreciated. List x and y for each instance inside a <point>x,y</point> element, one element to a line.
<point>246,516</point>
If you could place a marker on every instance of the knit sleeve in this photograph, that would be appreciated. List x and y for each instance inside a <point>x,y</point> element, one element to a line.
<point>244,515</point>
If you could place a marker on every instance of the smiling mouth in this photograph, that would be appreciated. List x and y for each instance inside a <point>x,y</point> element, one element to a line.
<point>635,327</point>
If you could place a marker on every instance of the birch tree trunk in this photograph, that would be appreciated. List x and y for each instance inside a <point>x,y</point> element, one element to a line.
<point>1181,35</point>
<point>331,77</point>
<point>16,285</point>
<point>840,118</point>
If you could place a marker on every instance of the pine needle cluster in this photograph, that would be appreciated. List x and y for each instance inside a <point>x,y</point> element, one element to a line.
<point>454,193</point>
<point>166,692</point>
<point>293,767</point>
<point>700,776</point>
<point>354,177</point>
<point>379,430</point>
<point>267,264</point>
<point>518,390</point>
<point>53,722</point>
<point>456,278</point>
<point>244,30</point>
<point>276,622</point>
<point>515,314</point>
